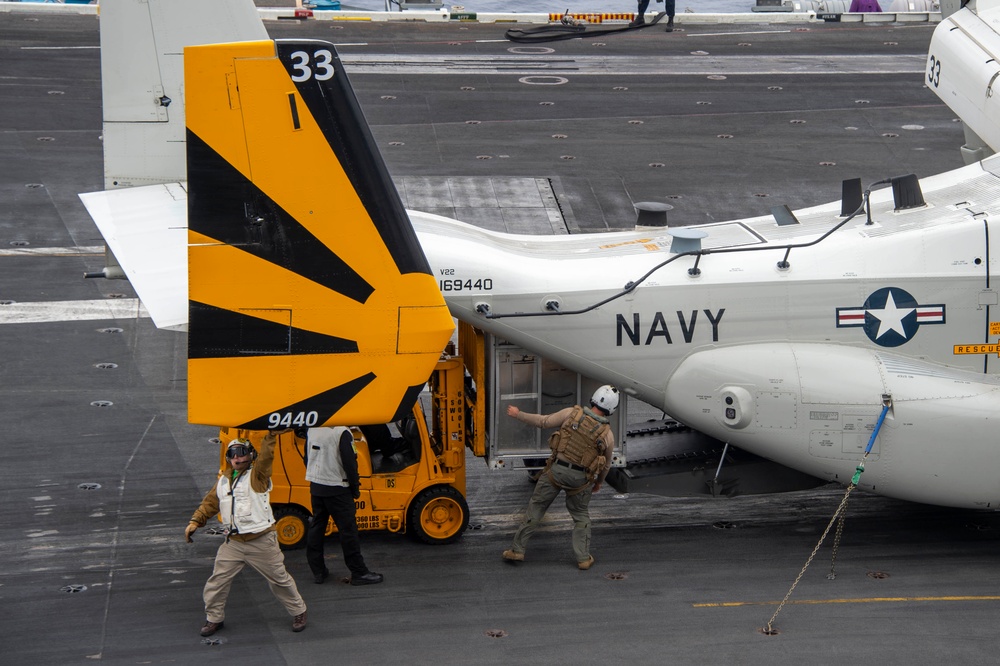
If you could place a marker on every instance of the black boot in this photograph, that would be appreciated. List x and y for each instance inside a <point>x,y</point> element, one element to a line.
<point>670,24</point>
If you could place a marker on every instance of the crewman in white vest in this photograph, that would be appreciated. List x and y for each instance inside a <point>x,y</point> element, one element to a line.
<point>241,496</point>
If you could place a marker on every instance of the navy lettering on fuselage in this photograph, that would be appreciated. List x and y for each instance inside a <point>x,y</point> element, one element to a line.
<point>658,329</point>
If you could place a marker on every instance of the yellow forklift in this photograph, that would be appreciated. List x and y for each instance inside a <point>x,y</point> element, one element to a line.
<point>413,482</point>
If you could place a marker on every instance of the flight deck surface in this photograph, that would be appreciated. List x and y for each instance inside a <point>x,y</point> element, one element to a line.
<point>719,121</point>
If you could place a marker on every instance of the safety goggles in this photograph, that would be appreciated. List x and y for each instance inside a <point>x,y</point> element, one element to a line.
<point>238,451</point>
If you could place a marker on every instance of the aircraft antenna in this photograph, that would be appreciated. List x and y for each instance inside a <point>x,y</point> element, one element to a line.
<point>851,196</point>
<point>906,192</point>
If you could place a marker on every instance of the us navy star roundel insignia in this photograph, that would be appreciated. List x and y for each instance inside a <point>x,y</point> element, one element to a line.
<point>890,316</point>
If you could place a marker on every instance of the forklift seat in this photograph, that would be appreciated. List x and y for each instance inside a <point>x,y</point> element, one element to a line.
<point>411,434</point>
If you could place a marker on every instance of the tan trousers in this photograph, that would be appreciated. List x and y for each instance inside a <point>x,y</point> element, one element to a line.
<point>265,556</point>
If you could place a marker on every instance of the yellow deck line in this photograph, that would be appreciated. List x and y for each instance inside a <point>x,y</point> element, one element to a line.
<point>860,600</point>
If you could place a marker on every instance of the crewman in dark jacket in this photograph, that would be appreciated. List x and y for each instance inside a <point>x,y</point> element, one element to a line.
<point>334,484</point>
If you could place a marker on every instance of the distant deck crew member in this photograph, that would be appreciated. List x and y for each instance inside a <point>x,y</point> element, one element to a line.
<point>669,8</point>
<point>241,497</point>
<point>334,484</point>
<point>580,460</point>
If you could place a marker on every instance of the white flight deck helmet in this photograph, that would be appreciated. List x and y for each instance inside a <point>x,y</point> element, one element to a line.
<point>606,397</point>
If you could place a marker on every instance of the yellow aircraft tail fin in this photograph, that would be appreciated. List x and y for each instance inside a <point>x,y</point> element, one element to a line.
<point>310,299</point>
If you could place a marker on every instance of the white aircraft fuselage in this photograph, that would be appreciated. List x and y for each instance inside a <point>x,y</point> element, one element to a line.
<point>803,354</point>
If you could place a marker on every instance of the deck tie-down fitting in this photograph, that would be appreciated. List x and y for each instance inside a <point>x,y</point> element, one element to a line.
<point>838,516</point>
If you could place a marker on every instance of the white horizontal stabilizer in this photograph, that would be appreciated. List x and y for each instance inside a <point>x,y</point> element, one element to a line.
<point>146,229</point>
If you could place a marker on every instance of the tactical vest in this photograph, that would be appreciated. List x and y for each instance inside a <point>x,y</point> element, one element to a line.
<point>580,440</point>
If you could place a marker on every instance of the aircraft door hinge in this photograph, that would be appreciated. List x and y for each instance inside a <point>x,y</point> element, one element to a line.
<point>161,103</point>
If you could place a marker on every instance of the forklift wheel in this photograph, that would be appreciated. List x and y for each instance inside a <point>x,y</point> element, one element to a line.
<point>291,523</point>
<point>438,515</point>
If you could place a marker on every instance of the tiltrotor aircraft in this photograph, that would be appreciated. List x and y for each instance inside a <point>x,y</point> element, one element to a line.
<point>795,337</point>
